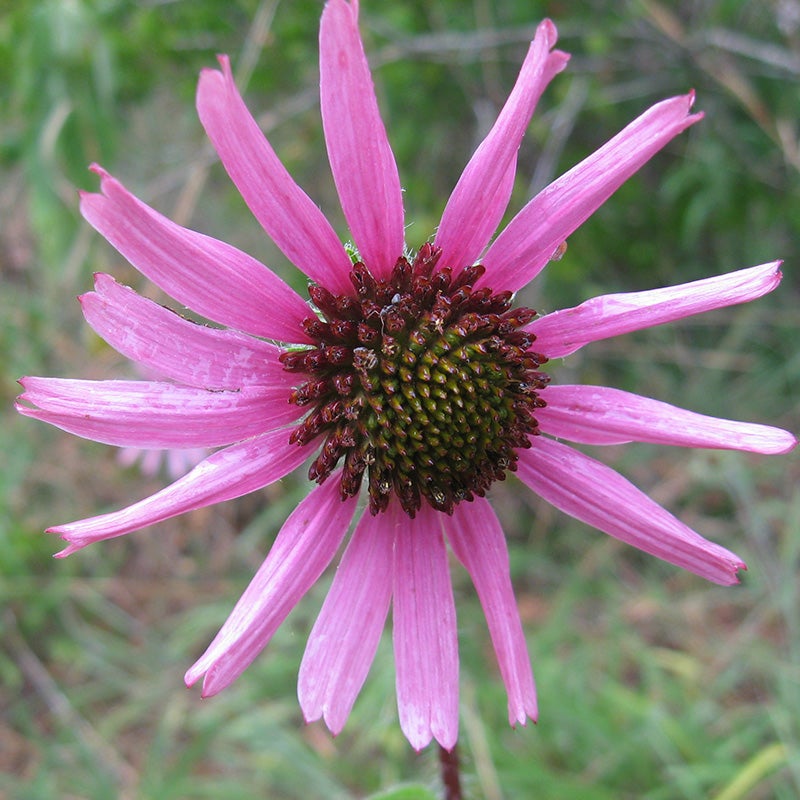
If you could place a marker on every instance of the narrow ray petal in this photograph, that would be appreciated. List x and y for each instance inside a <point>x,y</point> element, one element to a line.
<point>597,495</point>
<point>302,550</point>
<point>211,277</point>
<point>599,415</point>
<point>344,639</point>
<point>149,414</point>
<point>235,471</point>
<point>424,635</point>
<point>477,540</point>
<point>177,348</point>
<point>563,332</point>
<point>288,215</point>
<point>482,193</point>
<point>361,158</point>
<point>530,239</point>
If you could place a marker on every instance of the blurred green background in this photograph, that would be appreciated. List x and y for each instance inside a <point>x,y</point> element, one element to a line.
<point>653,684</point>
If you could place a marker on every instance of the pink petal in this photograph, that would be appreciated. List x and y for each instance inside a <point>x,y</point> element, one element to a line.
<point>302,550</point>
<point>212,278</point>
<point>600,497</point>
<point>526,245</point>
<point>287,214</point>
<point>235,471</point>
<point>344,639</point>
<point>154,415</point>
<point>598,415</point>
<point>476,205</point>
<point>178,348</point>
<point>563,332</point>
<point>362,162</point>
<point>477,540</point>
<point>425,640</point>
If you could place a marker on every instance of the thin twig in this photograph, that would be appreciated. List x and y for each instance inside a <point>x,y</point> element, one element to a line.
<point>451,778</point>
<point>59,706</point>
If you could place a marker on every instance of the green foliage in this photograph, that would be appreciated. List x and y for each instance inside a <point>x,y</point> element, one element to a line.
<point>652,684</point>
<point>404,793</point>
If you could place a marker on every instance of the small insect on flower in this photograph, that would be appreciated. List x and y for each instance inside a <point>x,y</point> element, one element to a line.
<point>409,380</point>
<point>559,252</point>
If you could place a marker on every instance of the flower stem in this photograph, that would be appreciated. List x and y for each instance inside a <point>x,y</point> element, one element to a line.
<point>448,759</point>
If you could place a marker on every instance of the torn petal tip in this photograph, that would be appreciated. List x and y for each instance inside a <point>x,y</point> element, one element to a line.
<point>548,28</point>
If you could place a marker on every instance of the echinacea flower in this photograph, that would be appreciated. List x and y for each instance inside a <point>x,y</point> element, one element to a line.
<point>411,381</point>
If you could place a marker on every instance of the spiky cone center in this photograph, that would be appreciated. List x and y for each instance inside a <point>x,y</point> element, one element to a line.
<point>421,383</point>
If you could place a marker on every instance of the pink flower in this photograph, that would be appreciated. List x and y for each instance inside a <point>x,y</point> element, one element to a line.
<point>175,462</point>
<point>413,376</point>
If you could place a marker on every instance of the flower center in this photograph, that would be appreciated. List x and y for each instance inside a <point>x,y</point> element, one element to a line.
<point>420,382</point>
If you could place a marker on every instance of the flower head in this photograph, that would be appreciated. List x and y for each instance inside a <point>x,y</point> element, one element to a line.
<point>409,380</point>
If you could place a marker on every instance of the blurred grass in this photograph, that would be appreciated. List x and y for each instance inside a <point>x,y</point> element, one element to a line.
<point>652,684</point>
